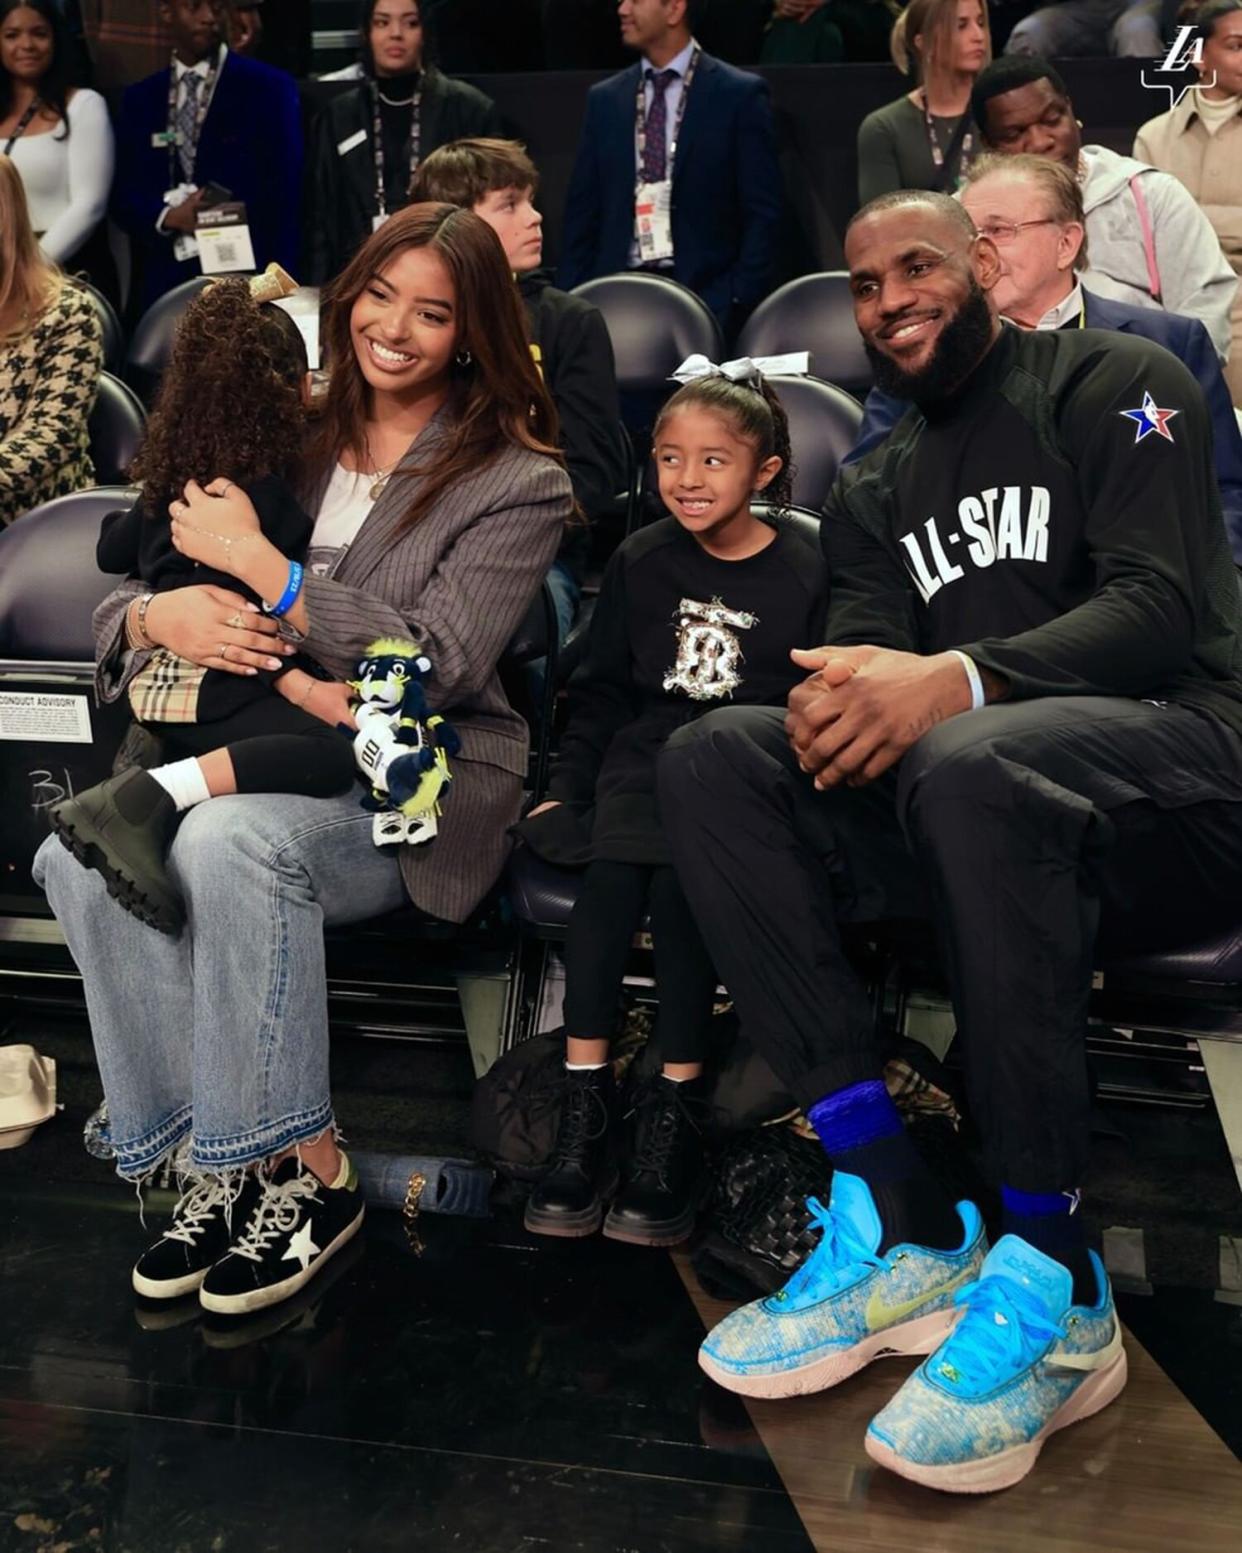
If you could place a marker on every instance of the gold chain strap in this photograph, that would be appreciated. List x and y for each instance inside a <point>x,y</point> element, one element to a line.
<point>409,1211</point>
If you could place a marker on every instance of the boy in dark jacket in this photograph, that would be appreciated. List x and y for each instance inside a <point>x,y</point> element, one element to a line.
<point>569,340</point>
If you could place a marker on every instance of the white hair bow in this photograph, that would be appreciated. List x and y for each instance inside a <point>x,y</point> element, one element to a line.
<point>746,369</point>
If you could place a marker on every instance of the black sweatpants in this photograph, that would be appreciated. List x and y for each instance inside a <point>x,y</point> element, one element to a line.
<point>1038,836</point>
<point>275,747</point>
<point>607,913</point>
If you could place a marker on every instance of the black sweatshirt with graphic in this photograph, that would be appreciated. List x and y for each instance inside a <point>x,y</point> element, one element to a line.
<point>676,632</point>
<point>1058,520</point>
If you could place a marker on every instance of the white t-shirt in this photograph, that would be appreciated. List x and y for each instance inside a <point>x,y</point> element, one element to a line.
<point>343,510</point>
<point>67,180</point>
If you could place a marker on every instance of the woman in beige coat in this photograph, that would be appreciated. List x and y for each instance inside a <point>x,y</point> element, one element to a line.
<point>1200,143</point>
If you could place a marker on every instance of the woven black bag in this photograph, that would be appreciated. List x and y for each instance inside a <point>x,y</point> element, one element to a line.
<point>759,1226</point>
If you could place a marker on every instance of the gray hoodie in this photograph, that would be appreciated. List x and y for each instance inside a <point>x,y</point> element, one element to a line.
<point>1195,277</point>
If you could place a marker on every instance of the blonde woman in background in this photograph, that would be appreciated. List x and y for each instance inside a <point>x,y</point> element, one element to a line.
<point>926,140</point>
<point>51,355</point>
<point>1200,143</point>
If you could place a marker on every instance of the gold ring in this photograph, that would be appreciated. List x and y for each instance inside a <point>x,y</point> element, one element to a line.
<point>224,652</point>
<point>235,621</point>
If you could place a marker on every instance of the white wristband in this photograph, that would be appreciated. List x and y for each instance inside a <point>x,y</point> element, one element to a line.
<point>977,697</point>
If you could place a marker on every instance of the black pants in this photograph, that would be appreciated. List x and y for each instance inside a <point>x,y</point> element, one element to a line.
<point>607,913</point>
<point>275,747</point>
<point>1036,835</point>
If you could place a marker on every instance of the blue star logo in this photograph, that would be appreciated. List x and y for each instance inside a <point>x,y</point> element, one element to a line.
<point>1150,418</point>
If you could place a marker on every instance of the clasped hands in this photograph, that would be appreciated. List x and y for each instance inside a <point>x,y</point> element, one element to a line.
<point>863,707</point>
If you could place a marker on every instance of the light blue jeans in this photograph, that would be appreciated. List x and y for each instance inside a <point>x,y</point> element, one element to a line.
<point>218,1039</point>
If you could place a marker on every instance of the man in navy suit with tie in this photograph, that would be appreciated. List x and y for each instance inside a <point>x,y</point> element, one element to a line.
<point>1031,207</point>
<point>676,170</point>
<point>213,117</point>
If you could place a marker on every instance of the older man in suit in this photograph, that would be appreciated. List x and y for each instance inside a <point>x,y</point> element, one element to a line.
<point>676,169</point>
<point>1031,207</point>
<point>211,117</point>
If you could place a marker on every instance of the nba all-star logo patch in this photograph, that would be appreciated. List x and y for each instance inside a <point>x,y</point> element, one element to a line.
<point>1149,417</point>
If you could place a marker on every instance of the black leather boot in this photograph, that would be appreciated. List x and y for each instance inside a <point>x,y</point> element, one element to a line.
<point>664,1177</point>
<point>569,1200</point>
<point>122,828</point>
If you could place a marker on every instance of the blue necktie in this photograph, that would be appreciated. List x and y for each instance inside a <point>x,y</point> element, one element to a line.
<point>187,123</point>
<point>655,152</point>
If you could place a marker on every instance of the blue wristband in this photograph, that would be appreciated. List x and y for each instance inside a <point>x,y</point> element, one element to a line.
<point>289,597</point>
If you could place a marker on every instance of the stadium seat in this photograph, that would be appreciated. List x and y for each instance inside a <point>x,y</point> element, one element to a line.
<point>113,334</point>
<point>151,345</point>
<point>813,313</point>
<point>116,428</point>
<point>824,422</point>
<point>55,544</point>
<point>654,324</point>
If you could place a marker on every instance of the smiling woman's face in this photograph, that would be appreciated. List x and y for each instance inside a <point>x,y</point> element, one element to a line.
<point>404,324</point>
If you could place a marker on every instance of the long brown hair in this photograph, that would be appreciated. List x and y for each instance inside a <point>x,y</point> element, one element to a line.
<point>496,398</point>
<point>935,21</point>
<point>230,400</point>
<point>29,284</point>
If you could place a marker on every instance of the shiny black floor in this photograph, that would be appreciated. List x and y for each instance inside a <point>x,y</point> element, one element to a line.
<point>491,1394</point>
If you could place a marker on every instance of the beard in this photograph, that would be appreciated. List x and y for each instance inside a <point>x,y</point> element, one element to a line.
<point>962,343</point>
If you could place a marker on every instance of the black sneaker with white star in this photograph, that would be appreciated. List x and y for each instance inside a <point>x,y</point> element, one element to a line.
<point>203,1228</point>
<point>296,1225</point>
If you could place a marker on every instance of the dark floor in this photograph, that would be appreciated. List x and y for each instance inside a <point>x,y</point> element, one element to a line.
<point>493,1393</point>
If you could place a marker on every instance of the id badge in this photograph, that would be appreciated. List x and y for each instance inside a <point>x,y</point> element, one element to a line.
<point>224,245</point>
<point>653,219</point>
<point>184,247</point>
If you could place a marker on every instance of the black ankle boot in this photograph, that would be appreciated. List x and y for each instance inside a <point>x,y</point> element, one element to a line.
<point>660,1195</point>
<point>122,828</point>
<point>569,1200</point>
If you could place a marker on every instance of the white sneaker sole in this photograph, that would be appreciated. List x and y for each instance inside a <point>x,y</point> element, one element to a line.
<point>260,1299</point>
<point>167,1288</point>
<point>922,1336</point>
<point>1007,1467</point>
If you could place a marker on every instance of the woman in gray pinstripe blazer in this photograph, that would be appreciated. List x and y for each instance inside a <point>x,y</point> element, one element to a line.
<point>213,1047</point>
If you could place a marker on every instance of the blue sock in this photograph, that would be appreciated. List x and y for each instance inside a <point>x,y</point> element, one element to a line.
<point>1050,1222</point>
<point>863,1134</point>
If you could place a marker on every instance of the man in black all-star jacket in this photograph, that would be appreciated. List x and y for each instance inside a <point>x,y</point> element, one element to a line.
<point>1028,725</point>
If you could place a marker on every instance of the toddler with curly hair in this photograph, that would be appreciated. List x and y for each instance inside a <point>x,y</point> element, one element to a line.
<point>231,407</point>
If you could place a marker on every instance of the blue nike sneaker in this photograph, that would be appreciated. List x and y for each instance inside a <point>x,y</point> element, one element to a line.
<point>846,1305</point>
<point>1023,1362</point>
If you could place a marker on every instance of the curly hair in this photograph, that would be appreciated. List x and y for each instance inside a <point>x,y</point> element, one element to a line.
<point>230,401</point>
<point>756,416</point>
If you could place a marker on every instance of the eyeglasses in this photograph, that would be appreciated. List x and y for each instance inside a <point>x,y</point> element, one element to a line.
<point>1003,233</point>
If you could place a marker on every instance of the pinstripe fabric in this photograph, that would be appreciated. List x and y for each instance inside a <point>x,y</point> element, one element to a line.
<point>459,582</point>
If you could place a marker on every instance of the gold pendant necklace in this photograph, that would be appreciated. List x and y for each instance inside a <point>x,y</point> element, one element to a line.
<point>377,487</point>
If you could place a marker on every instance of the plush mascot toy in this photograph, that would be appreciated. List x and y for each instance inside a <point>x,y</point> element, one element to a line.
<point>401,746</point>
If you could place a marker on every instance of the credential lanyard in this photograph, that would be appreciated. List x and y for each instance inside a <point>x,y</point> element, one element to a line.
<point>204,102</point>
<point>22,125</point>
<point>961,143</point>
<point>640,115</point>
<point>377,143</point>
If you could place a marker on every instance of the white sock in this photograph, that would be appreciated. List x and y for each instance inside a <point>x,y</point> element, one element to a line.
<point>584,1067</point>
<point>183,781</point>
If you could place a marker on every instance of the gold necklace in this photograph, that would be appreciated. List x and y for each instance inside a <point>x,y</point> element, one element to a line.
<point>379,477</point>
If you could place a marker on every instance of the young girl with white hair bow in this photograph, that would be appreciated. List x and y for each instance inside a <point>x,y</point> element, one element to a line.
<point>697,611</point>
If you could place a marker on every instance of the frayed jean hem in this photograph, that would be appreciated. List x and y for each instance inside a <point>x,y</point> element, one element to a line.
<point>214,1155</point>
<point>137,1160</point>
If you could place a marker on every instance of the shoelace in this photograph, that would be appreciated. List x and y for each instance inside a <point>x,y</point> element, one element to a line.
<point>277,1212</point>
<point>194,1210</point>
<point>584,1120</point>
<point>657,1131</point>
<point>1003,1329</point>
<point>838,1251</point>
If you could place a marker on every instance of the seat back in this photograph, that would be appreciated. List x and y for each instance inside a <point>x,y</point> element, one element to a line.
<point>151,345</point>
<point>49,582</point>
<point>654,324</point>
<point>110,323</point>
<point>813,313</point>
<point>116,428</point>
<point>824,422</point>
